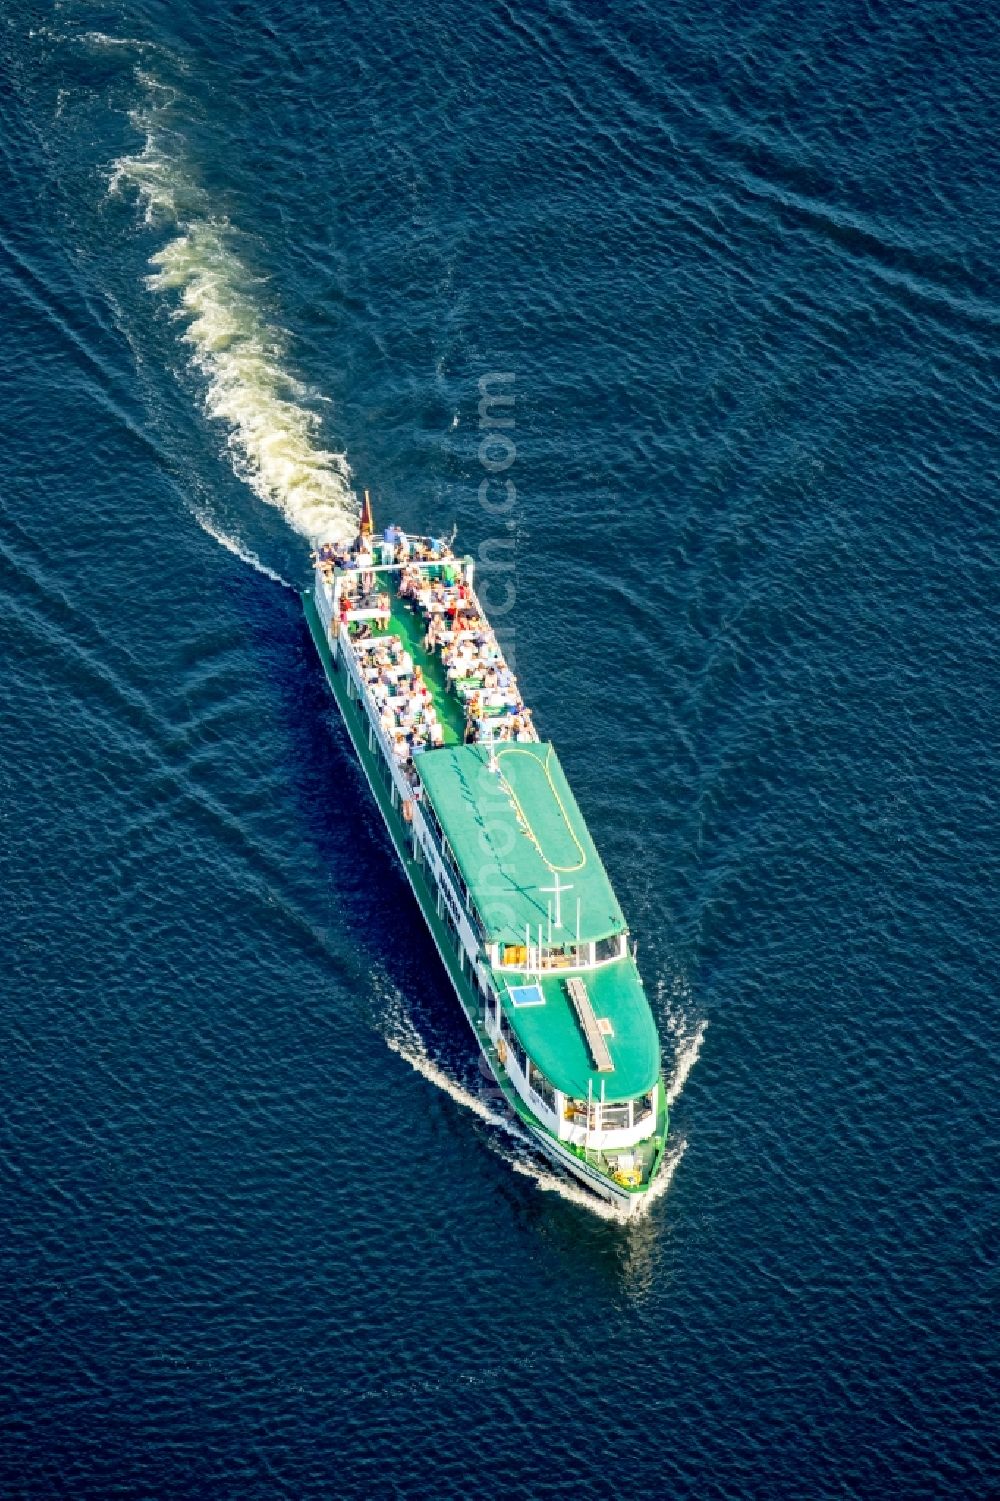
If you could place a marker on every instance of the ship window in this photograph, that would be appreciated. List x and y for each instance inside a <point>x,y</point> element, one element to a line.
<point>616,1117</point>
<point>608,948</point>
<point>644,1107</point>
<point>577,1111</point>
<point>541,1085</point>
<point>518,1054</point>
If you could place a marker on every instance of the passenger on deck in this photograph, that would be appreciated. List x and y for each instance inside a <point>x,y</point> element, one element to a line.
<point>431,634</point>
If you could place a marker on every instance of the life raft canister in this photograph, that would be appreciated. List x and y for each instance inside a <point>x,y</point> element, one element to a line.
<point>407,811</point>
<point>501,1050</point>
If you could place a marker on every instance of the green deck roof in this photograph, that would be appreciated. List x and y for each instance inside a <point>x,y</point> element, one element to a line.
<point>514,832</point>
<point>552,1036</point>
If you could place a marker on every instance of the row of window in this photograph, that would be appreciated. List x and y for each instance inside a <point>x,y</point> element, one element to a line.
<point>564,956</point>
<point>621,1117</point>
<point>448,856</point>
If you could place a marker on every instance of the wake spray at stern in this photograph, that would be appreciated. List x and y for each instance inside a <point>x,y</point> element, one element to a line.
<point>271,431</point>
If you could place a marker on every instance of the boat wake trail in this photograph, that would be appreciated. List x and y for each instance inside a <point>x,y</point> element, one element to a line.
<point>685,1060</point>
<point>237,548</point>
<point>671,1162</point>
<point>413,1051</point>
<point>272,431</point>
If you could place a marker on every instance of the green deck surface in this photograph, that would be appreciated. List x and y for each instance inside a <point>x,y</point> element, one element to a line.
<point>409,626</point>
<point>551,1034</point>
<point>486,818</point>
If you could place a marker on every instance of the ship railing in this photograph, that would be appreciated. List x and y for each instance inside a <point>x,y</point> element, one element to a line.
<point>399,777</point>
<point>382,561</point>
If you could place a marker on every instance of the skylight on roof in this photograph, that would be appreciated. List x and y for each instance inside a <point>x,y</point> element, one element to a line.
<point>526,995</point>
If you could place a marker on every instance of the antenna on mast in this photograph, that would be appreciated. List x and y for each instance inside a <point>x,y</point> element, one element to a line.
<point>494,763</point>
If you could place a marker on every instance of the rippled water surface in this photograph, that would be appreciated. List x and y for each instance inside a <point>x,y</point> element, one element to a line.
<point>265,1233</point>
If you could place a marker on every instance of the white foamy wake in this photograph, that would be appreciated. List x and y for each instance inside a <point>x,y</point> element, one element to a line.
<point>516,1148</point>
<point>272,434</point>
<point>671,1162</point>
<point>566,1188</point>
<point>233,545</point>
<point>685,1061</point>
<point>412,1050</point>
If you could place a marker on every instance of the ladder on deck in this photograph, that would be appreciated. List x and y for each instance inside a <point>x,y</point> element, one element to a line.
<point>580,996</point>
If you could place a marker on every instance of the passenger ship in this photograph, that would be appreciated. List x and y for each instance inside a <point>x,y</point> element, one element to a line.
<point>497,853</point>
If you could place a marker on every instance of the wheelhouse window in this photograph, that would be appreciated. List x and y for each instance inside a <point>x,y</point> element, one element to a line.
<point>581,1113</point>
<point>617,1117</point>
<point>609,948</point>
<point>644,1109</point>
<point>525,956</point>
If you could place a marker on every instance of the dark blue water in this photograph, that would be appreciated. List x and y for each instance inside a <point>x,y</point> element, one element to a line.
<point>260,1237</point>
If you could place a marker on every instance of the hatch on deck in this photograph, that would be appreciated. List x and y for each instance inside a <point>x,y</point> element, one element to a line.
<point>526,995</point>
<point>577,991</point>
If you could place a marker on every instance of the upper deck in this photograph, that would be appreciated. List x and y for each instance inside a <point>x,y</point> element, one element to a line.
<point>448,658</point>
<point>522,849</point>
